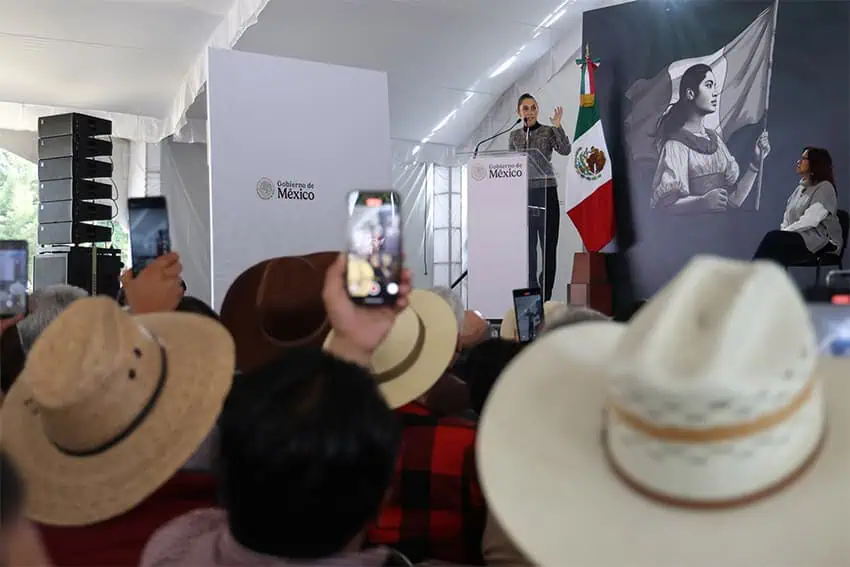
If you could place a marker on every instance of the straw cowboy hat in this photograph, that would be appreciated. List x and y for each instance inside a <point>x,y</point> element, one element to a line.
<point>109,406</point>
<point>275,306</point>
<point>508,329</point>
<point>693,436</point>
<point>418,349</point>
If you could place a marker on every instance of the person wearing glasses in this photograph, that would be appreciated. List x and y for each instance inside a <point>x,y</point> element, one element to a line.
<point>810,224</point>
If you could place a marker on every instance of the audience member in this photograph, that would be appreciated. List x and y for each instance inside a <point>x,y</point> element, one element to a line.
<point>308,449</point>
<point>572,316</point>
<point>11,353</point>
<point>157,288</point>
<point>20,544</point>
<point>450,395</point>
<point>435,509</point>
<point>44,306</point>
<point>101,425</point>
<point>484,366</point>
<point>276,306</point>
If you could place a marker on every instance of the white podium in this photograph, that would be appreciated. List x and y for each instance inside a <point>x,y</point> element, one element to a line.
<point>504,191</point>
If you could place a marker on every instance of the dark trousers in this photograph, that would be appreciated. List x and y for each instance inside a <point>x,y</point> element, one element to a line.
<point>544,227</point>
<point>785,247</point>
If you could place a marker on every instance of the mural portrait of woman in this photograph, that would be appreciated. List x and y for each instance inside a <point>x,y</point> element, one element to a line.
<point>696,173</point>
<point>688,92</point>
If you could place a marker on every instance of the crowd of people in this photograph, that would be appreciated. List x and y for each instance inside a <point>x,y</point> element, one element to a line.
<point>297,428</point>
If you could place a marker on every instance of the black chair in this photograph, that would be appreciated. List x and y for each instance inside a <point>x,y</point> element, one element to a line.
<point>829,259</point>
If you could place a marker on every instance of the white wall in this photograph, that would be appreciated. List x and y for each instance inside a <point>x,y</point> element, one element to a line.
<point>184,182</point>
<point>554,81</point>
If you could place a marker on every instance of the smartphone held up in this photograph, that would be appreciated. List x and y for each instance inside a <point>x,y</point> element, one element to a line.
<point>150,235</point>
<point>14,277</point>
<point>374,241</point>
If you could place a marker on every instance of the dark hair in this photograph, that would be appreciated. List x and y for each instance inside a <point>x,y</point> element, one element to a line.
<point>522,97</point>
<point>485,364</point>
<point>308,452</point>
<point>820,165</point>
<point>189,304</point>
<point>11,492</point>
<point>676,116</point>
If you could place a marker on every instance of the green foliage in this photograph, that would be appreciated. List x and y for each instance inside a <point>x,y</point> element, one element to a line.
<point>19,206</point>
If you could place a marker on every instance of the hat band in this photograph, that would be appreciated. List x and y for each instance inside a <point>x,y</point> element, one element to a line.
<point>135,423</point>
<point>408,361</point>
<point>715,434</point>
<point>747,499</point>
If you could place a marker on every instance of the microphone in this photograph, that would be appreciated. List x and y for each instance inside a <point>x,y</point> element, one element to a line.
<point>496,135</point>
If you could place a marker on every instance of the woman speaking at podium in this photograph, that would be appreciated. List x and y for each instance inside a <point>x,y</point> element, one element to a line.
<point>544,218</point>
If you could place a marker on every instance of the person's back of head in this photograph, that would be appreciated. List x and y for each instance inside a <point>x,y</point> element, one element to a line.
<point>45,305</point>
<point>485,363</point>
<point>573,316</point>
<point>308,450</point>
<point>454,302</point>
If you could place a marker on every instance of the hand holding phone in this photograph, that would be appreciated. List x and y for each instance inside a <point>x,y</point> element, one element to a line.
<point>374,260</point>
<point>14,277</point>
<point>150,235</point>
<point>528,311</point>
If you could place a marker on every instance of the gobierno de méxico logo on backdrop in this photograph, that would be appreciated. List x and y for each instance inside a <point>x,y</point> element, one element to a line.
<point>480,172</point>
<point>287,190</point>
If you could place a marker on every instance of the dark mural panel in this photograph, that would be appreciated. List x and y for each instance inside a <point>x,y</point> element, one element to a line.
<point>670,69</point>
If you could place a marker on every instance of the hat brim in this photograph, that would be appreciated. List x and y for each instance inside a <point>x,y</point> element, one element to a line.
<point>64,490</point>
<point>547,480</point>
<point>438,349</point>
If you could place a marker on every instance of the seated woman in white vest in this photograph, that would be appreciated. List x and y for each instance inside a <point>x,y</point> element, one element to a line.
<point>810,225</point>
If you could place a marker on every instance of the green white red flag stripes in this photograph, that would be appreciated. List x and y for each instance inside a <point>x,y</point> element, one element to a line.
<point>589,188</point>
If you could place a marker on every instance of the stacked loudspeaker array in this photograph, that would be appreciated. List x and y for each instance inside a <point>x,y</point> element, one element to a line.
<point>74,173</point>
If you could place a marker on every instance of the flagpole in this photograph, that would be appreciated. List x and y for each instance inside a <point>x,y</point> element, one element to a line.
<point>767,98</point>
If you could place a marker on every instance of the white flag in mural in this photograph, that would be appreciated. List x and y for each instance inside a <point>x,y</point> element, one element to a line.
<point>741,69</point>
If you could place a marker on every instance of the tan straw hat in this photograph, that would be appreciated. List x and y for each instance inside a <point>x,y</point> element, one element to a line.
<point>694,436</point>
<point>418,349</point>
<point>109,406</point>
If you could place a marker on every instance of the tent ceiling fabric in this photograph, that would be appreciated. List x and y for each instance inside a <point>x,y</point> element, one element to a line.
<point>439,54</point>
<point>142,62</point>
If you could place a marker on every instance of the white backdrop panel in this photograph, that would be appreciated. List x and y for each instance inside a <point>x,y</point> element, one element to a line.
<point>285,123</point>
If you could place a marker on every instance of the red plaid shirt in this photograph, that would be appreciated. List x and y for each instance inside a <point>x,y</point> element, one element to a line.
<point>436,508</point>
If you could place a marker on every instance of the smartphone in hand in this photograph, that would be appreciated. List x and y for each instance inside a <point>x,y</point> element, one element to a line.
<point>150,233</point>
<point>14,277</point>
<point>374,260</point>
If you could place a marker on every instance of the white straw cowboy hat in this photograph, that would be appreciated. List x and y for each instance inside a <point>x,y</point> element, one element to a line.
<point>109,406</point>
<point>508,330</point>
<point>694,436</point>
<point>418,349</point>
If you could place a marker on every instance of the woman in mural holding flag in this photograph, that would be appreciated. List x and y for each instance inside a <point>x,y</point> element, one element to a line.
<point>696,173</point>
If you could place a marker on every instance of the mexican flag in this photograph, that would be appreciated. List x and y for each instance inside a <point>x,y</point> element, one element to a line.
<point>589,188</point>
<point>742,70</point>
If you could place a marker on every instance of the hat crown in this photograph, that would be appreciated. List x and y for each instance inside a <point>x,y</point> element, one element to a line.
<point>721,330</point>
<point>91,373</point>
<point>713,397</point>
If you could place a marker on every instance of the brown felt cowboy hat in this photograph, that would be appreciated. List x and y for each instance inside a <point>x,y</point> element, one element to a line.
<point>275,306</point>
